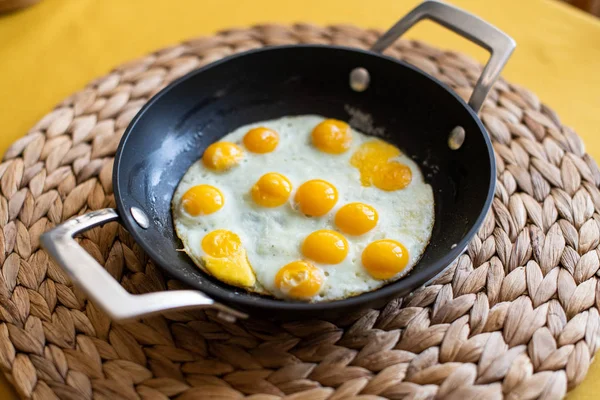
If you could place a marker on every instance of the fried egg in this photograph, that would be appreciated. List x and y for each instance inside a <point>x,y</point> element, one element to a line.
<point>304,208</point>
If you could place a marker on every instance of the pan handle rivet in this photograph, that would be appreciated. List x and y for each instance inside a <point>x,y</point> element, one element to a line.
<point>359,79</point>
<point>456,138</point>
<point>140,217</point>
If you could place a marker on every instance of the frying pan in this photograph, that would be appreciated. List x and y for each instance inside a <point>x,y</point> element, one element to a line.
<point>374,92</point>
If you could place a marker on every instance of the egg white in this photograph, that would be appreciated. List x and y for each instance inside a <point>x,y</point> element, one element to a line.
<point>273,237</point>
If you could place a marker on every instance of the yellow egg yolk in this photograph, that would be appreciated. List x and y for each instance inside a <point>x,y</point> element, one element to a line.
<point>271,190</point>
<point>261,140</point>
<point>202,200</point>
<point>316,197</point>
<point>226,259</point>
<point>356,218</point>
<point>373,160</point>
<point>325,246</point>
<point>299,280</point>
<point>221,156</point>
<point>392,176</point>
<point>383,259</point>
<point>332,136</point>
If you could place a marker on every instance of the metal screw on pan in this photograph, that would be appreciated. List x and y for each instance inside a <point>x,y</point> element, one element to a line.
<point>359,79</point>
<point>140,217</point>
<point>456,138</point>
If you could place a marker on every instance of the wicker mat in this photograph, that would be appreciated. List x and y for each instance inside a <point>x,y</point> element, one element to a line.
<point>516,316</point>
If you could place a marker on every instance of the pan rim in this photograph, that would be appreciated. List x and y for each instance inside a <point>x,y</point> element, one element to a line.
<point>398,288</point>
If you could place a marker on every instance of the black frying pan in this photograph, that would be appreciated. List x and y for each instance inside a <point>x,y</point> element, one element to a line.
<point>420,115</point>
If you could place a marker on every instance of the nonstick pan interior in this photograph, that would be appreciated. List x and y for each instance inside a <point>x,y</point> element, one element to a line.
<point>402,104</point>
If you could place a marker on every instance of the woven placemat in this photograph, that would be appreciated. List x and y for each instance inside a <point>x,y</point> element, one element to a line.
<point>515,316</point>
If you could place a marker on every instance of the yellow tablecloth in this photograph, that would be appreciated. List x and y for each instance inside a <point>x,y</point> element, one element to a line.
<point>51,50</point>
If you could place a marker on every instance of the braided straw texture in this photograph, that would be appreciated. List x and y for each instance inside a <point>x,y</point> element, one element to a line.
<point>515,316</point>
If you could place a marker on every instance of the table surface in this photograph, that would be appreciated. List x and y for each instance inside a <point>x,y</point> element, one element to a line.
<point>54,48</point>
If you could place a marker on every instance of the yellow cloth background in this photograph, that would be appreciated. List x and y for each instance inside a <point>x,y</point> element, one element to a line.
<point>54,48</point>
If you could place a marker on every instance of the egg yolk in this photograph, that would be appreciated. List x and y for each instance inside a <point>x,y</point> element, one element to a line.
<point>261,140</point>
<point>299,279</point>
<point>226,259</point>
<point>356,218</point>
<point>373,160</point>
<point>202,200</point>
<point>383,259</point>
<point>271,190</point>
<point>325,246</point>
<point>392,176</point>
<point>221,243</point>
<point>316,197</point>
<point>221,156</point>
<point>332,136</point>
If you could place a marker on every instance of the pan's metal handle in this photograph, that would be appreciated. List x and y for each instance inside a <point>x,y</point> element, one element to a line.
<point>499,44</point>
<point>103,289</point>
